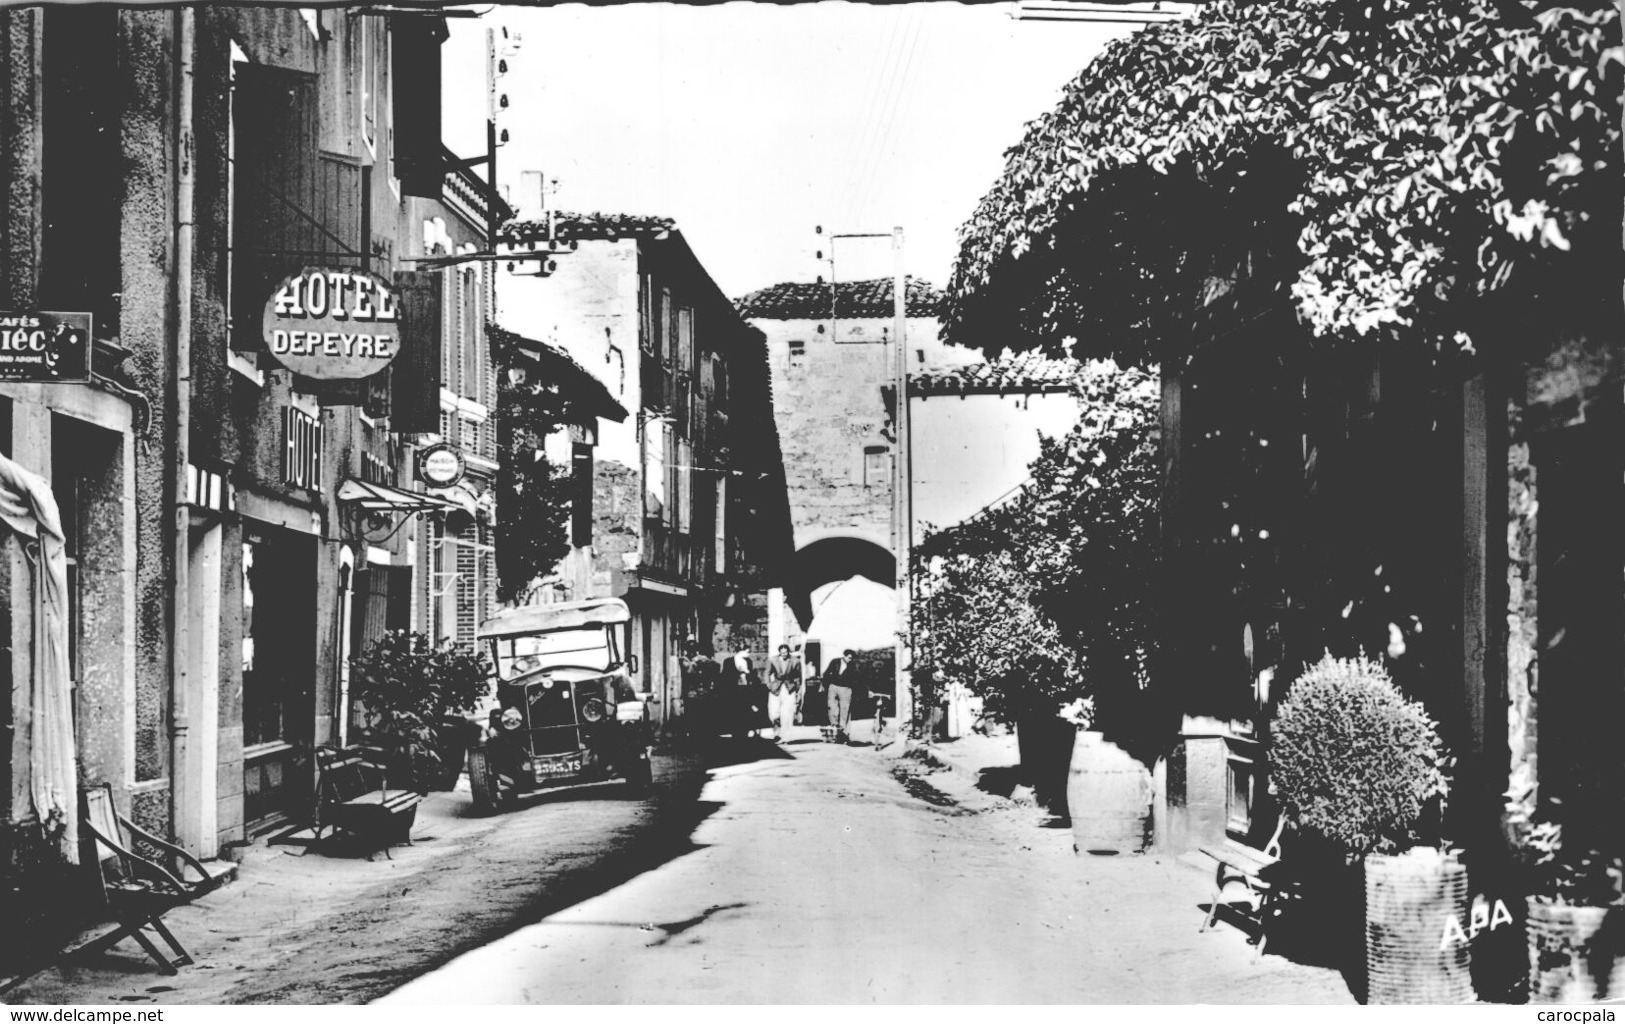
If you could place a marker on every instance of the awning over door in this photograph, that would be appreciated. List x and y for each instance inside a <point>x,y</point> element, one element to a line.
<point>376,497</point>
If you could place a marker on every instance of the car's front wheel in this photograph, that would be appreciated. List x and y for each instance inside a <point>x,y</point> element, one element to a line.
<point>482,782</point>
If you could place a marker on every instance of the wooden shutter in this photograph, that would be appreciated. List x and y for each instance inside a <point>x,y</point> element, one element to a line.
<point>415,77</point>
<point>581,510</point>
<point>382,602</point>
<point>415,383</point>
<point>275,181</point>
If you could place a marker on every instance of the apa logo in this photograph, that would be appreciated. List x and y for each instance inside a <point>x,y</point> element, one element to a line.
<point>1484,917</point>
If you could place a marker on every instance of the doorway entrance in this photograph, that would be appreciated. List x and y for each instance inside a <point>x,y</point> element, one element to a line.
<point>279,671</point>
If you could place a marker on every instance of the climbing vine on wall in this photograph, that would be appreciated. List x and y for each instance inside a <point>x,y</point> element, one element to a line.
<point>1424,153</point>
<point>532,494</point>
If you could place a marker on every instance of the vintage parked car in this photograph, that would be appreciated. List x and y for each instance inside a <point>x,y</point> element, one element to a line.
<point>567,709</point>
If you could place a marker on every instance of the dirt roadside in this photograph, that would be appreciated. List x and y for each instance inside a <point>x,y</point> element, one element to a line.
<point>338,928</point>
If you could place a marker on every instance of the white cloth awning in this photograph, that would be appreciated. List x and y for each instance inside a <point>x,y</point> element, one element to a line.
<point>29,508</point>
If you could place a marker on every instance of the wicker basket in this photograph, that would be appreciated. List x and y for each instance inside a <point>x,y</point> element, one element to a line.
<point>1410,901</point>
<point>1576,954</point>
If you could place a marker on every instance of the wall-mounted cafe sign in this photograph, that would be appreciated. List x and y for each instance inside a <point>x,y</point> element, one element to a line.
<point>333,324</point>
<point>441,465</point>
<point>44,347</point>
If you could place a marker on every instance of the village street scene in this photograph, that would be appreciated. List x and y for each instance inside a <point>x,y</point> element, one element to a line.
<point>1039,502</point>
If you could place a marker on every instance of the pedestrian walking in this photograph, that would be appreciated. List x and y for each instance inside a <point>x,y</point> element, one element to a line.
<point>783,691</point>
<point>838,679</point>
<point>749,693</point>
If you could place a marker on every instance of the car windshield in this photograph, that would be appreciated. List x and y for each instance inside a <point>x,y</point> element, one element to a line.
<point>573,648</point>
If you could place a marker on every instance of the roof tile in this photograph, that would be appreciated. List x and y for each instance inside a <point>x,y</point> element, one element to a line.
<point>873,299</point>
<point>1025,371</point>
<point>589,227</point>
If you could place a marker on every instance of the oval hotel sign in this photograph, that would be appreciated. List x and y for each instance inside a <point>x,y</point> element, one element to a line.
<point>333,324</point>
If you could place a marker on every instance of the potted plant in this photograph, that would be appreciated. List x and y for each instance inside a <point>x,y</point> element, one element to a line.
<point>412,697</point>
<point>1360,766</point>
<point>1576,910</point>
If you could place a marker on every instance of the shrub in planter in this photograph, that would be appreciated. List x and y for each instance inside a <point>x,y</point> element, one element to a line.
<point>1576,910</point>
<point>1353,760</point>
<point>410,693</point>
<point>1357,764</point>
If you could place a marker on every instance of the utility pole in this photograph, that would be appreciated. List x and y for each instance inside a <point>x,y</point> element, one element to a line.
<point>491,132</point>
<point>902,510</point>
<point>903,484</point>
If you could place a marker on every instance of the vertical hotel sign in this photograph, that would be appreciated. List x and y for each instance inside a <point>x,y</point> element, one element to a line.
<point>44,348</point>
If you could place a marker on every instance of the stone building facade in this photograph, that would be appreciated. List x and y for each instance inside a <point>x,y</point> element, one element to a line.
<point>236,530</point>
<point>832,356</point>
<point>688,518</point>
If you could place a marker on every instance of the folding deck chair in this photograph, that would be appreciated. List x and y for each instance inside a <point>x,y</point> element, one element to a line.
<point>139,889</point>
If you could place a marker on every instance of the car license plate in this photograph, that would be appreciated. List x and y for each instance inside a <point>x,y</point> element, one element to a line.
<point>559,767</point>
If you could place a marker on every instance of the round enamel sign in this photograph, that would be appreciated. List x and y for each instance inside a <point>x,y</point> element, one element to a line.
<point>333,324</point>
<point>440,465</point>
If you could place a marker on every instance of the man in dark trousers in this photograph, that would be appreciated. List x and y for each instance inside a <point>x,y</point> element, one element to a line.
<point>838,678</point>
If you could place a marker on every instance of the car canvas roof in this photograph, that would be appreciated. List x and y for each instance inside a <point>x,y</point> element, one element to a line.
<point>537,618</point>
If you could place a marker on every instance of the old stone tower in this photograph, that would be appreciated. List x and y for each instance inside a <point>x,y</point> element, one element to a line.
<point>831,354</point>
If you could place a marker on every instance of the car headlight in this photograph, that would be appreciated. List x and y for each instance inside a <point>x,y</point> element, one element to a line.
<point>512,719</point>
<point>594,710</point>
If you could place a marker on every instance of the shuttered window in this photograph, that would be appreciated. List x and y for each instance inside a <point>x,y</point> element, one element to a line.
<point>383,596</point>
<point>415,385</point>
<point>80,184</point>
<point>274,128</point>
<point>292,205</point>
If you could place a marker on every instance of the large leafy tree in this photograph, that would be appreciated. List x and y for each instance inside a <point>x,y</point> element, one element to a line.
<point>1046,598</point>
<point>1423,157</point>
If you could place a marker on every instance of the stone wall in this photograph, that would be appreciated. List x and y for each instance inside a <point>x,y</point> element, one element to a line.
<point>1577,378</point>
<point>828,407</point>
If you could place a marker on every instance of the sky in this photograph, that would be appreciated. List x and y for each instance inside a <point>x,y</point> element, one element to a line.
<point>751,124</point>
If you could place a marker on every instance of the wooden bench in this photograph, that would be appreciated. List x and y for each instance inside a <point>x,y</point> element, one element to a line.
<point>353,796</point>
<point>1244,865</point>
<point>139,888</point>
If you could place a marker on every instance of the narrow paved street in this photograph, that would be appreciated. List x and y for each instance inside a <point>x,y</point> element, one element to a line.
<point>807,873</point>
<point>821,877</point>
